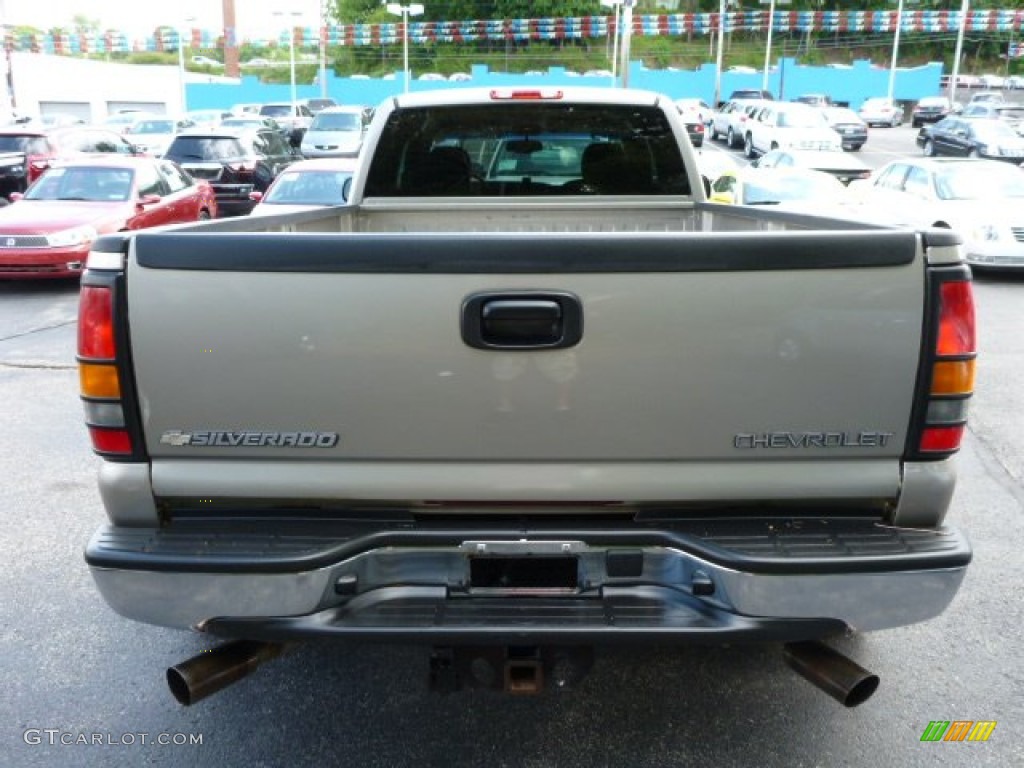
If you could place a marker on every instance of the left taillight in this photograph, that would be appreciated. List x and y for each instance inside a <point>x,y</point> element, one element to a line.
<point>947,378</point>
<point>100,374</point>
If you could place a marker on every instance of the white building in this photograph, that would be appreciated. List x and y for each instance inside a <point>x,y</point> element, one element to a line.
<point>42,84</point>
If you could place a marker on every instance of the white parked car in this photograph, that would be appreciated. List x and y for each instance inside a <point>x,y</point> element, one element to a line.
<point>881,111</point>
<point>305,185</point>
<point>983,200</point>
<point>699,106</point>
<point>335,132</point>
<point>729,122</point>
<point>788,125</point>
<point>153,135</point>
<point>206,61</point>
<point>842,165</point>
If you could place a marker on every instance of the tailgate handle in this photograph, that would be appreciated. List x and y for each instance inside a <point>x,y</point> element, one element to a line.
<point>527,320</point>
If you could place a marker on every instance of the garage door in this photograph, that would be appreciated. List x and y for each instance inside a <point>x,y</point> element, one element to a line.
<point>156,107</point>
<point>79,109</point>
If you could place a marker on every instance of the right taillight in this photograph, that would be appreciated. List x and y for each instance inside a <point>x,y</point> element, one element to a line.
<point>947,380</point>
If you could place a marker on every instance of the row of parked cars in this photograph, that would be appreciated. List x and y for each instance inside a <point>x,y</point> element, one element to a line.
<point>64,187</point>
<point>981,199</point>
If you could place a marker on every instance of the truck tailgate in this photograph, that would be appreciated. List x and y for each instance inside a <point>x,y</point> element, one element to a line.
<point>704,364</point>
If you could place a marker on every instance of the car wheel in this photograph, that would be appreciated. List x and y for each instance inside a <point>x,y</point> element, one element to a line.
<point>204,215</point>
<point>730,139</point>
<point>973,152</point>
<point>855,147</point>
<point>916,124</point>
<point>774,146</point>
<point>929,148</point>
<point>748,147</point>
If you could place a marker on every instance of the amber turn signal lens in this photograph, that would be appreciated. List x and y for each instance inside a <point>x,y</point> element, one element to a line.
<point>99,380</point>
<point>953,377</point>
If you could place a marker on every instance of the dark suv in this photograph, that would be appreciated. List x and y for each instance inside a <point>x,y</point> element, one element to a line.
<point>234,162</point>
<point>26,151</point>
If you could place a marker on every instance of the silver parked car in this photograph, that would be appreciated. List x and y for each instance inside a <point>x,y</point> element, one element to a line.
<point>335,132</point>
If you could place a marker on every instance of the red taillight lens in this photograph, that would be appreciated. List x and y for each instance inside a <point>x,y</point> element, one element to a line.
<point>956,320</point>
<point>95,324</point>
<point>941,439</point>
<point>110,440</point>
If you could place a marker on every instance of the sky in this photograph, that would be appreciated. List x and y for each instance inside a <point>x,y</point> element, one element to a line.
<point>140,17</point>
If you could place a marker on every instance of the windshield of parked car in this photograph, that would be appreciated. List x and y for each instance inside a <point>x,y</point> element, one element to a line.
<point>337,121</point>
<point>308,188</point>
<point>767,187</point>
<point>276,110</point>
<point>979,181</point>
<point>843,115</point>
<point>802,118</point>
<point>82,183</point>
<point>152,126</point>
<point>994,130</point>
<point>14,143</point>
<point>211,149</point>
<point>243,122</point>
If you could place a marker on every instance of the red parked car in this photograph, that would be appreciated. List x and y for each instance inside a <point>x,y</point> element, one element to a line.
<point>27,151</point>
<point>48,231</point>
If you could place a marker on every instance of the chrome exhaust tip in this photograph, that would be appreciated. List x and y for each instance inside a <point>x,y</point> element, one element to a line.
<point>837,675</point>
<point>211,671</point>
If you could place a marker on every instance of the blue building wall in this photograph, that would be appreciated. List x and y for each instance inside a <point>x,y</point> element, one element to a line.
<point>787,81</point>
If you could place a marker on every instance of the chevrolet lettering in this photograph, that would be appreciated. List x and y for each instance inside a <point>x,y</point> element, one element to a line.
<point>751,441</point>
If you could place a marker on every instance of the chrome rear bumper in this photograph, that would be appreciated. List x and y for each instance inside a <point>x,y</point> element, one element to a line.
<point>705,582</point>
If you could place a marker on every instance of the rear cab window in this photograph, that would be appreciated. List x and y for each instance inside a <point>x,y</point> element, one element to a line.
<point>470,151</point>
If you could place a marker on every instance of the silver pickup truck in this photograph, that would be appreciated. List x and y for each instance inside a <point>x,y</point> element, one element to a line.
<point>529,393</point>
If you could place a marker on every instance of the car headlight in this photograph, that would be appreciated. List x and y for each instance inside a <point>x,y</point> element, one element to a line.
<point>987,232</point>
<point>73,236</point>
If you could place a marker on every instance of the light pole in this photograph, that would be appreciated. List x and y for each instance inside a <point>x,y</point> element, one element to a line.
<point>405,11</point>
<point>181,61</point>
<point>617,5</point>
<point>291,51</point>
<point>624,40</point>
<point>768,46</point>
<point>895,49</point>
<point>323,49</point>
<point>959,49</point>
<point>718,53</point>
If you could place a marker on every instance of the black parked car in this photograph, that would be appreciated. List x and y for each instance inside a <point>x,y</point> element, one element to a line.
<point>972,137</point>
<point>234,162</point>
<point>931,109</point>
<point>851,129</point>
